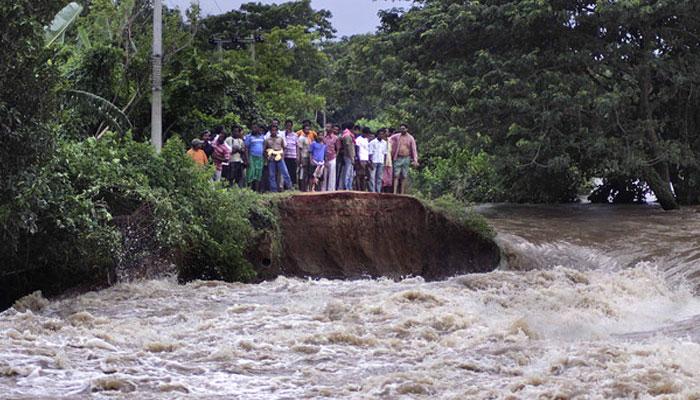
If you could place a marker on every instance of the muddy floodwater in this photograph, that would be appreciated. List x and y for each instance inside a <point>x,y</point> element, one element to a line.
<point>591,302</point>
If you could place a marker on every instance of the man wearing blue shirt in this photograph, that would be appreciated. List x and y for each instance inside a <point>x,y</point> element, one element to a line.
<point>255,143</point>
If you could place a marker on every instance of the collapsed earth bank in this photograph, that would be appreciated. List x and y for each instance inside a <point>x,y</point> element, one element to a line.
<point>347,235</point>
<point>339,235</point>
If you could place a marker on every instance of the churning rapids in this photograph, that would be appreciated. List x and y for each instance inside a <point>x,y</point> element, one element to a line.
<point>592,302</point>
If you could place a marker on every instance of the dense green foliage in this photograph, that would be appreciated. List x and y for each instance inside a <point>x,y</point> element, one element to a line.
<point>529,100</point>
<point>108,55</point>
<point>461,213</point>
<point>25,96</point>
<point>25,135</point>
<point>254,18</point>
<point>68,207</point>
<point>67,179</point>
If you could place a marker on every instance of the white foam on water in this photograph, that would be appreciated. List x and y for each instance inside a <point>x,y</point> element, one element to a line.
<point>556,333</point>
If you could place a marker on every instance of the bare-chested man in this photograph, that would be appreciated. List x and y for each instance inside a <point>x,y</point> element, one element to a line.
<point>403,154</point>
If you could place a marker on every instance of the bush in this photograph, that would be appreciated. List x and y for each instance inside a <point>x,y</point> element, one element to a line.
<point>483,177</point>
<point>65,212</point>
<point>210,226</point>
<point>61,232</point>
<point>462,213</point>
<point>468,177</point>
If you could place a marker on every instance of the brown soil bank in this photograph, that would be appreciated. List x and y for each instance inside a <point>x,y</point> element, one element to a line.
<point>352,234</point>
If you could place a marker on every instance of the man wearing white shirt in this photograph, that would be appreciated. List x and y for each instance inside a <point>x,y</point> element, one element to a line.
<point>275,122</point>
<point>362,145</point>
<point>377,150</point>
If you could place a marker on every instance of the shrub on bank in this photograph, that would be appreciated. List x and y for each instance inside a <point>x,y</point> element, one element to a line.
<point>483,178</point>
<point>468,177</point>
<point>462,213</point>
<point>209,227</point>
<point>67,212</point>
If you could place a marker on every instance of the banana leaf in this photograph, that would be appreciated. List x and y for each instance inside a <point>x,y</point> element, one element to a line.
<point>56,32</point>
<point>105,109</point>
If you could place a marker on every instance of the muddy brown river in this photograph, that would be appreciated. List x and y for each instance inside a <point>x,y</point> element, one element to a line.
<point>591,302</point>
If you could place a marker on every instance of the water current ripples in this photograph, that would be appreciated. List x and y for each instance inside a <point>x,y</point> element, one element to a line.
<point>594,303</point>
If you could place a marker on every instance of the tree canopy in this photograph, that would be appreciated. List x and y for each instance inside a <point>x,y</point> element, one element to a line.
<point>252,18</point>
<point>74,123</point>
<point>549,93</point>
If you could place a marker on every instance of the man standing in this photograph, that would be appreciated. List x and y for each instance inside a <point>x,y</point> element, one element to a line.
<point>255,143</point>
<point>274,151</point>
<point>318,162</point>
<point>339,157</point>
<point>221,156</point>
<point>265,181</point>
<point>197,154</point>
<point>348,143</point>
<point>332,148</point>
<point>290,150</point>
<point>305,137</point>
<point>307,131</point>
<point>388,176</point>
<point>274,121</point>
<point>238,157</point>
<point>206,143</point>
<point>362,167</point>
<point>404,154</point>
<point>378,150</point>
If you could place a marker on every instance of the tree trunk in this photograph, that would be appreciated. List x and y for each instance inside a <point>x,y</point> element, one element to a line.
<point>661,188</point>
<point>657,176</point>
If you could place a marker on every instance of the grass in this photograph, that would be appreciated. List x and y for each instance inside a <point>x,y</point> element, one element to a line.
<point>461,213</point>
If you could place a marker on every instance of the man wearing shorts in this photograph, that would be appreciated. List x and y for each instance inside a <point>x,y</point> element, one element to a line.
<point>404,153</point>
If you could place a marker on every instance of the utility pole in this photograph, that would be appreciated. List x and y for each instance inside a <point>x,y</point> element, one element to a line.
<point>252,40</point>
<point>157,94</point>
<point>237,43</point>
<point>219,43</point>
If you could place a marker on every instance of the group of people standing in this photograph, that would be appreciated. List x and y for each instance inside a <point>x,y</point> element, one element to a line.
<point>347,157</point>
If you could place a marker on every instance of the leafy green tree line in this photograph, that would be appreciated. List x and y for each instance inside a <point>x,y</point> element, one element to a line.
<point>108,55</point>
<point>527,101</point>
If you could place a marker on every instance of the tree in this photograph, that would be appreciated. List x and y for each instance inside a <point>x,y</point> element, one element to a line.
<point>26,100</point>
<point>553,92</point>
<point>254,18</point>
<point>108,56</point>
<point>289,62</point>
<point>641,50</point>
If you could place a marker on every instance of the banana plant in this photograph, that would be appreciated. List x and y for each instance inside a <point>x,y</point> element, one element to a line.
<point>110,113</point>
<point>56,32</point>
